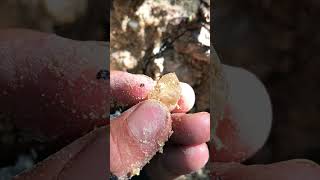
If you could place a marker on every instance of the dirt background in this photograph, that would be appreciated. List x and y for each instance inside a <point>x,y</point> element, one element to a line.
<point>278,40</point>
<point>74,19</point>
<point>157,37</point>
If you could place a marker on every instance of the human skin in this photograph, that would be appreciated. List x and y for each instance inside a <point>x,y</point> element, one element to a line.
<point>247,118</point>
<point>128,147</point>
<point>50,84</point>
<point>243,131</point>
<point>88,157</point>
<point>164,170</point>
<point>295,169</point>
<point>45,65</point>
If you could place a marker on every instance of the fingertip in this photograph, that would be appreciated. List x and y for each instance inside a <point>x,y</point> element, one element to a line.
<point>190,129</point>
<point>247,119</point>
<point>186,100</point>
<point>128,89</point>
<point>186,159</point>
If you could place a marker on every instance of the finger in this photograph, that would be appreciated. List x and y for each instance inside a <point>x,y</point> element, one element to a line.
<point>86,158</point>
<point>19,34</point>
<point>49,83</point>
<point>137,135</point>
<point>186,100</point>
<point>129,89</point>
<point>287,170</point>
<point>247,119</point>
<point>190,129</point>
<point>177,161</point>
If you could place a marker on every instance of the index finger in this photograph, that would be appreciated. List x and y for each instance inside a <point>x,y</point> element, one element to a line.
<point>127,89</point>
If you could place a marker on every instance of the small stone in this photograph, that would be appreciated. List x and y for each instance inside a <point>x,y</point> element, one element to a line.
<point>167,91</point>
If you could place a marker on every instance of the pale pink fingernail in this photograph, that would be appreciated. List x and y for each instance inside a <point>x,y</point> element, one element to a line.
<point>147,120</point>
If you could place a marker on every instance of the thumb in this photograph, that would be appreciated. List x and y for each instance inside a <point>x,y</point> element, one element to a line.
<point>136,136</point>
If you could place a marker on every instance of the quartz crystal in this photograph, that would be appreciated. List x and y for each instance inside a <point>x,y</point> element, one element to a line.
<point>167,91</point>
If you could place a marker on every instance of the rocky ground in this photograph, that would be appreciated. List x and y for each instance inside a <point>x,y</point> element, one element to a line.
<point>157,37</point>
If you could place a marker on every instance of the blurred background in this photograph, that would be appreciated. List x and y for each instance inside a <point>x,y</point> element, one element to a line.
<point>277,40</point>
<point>73,19</point>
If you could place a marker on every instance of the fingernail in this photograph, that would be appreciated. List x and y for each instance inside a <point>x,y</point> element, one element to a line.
<point>147,121</point>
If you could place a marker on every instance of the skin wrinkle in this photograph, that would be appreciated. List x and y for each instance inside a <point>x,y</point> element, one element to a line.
<point>124,125</point>
<point>65,166</point>
<point>63,156</point>
<point>131,135</point>
<point>119,154</point>
<point>151,144</point>
<point>115,141</point>
<point>130,131</point>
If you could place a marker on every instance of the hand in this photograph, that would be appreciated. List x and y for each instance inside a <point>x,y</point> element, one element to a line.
<point>137,134</point>
<point>244,130</point>
<point>50,79</point>
<point>49,83</point>
<point>29,56</point>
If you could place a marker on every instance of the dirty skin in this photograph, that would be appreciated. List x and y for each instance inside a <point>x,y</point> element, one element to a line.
<point>167,92</point>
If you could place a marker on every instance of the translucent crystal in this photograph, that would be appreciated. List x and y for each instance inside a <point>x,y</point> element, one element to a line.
<point>167,90</point>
